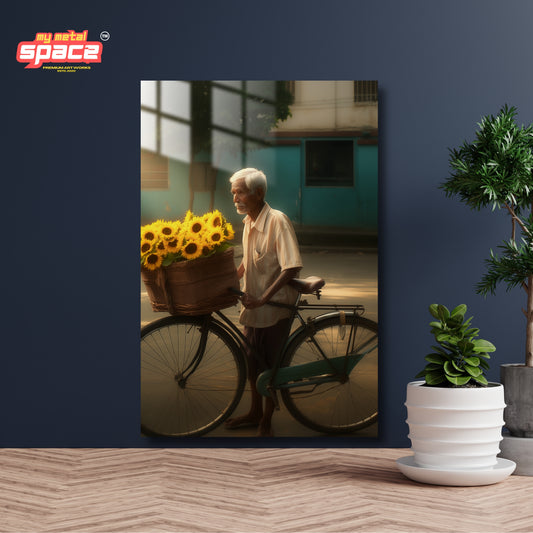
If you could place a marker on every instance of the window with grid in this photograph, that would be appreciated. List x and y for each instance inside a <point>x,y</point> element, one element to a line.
<point>165,129</point>
<point>329,163</point>
<point>365,91</point>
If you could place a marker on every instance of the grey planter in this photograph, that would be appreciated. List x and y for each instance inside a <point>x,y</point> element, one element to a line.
<point>518,446</point>
<point>518,384</point>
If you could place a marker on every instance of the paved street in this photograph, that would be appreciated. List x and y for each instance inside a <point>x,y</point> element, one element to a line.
<point>351,277</point>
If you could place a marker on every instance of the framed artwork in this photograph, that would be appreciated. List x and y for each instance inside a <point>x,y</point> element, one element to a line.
<point>306,363</point>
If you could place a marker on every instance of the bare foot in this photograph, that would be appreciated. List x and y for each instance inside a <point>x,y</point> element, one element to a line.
<point>242,421</point>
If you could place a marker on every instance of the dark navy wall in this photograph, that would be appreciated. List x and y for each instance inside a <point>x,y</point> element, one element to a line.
<point>70,197</point>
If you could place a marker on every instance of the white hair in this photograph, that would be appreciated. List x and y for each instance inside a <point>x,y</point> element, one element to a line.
<point>254,179</point>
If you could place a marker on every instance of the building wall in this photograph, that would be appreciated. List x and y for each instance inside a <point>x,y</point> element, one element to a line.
<point>321,110</point>
<point>328,105</point>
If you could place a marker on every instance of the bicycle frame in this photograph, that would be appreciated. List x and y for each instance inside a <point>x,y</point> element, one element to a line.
<point>314,373</point>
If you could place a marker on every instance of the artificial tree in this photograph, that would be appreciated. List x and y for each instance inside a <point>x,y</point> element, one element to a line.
<point>496,171</point>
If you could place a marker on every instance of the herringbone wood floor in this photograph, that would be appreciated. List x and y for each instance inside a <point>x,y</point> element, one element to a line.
<point>243,490</point>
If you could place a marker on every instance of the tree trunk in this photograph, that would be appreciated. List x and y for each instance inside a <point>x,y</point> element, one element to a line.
<point>529,327</point>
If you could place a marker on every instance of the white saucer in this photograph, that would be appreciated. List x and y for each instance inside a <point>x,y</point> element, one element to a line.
<point>457,478</point>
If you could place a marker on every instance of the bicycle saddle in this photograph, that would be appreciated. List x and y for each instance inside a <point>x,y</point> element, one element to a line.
<point>307,285</point>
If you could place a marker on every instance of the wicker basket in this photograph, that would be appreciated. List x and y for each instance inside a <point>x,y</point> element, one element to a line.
<point>193,287</point>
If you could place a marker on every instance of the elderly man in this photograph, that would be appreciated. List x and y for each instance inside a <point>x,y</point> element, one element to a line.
<point>271,258</point>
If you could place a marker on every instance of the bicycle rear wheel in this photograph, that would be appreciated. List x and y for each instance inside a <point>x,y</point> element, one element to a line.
<point>185,392</point>
<point>342,406</point>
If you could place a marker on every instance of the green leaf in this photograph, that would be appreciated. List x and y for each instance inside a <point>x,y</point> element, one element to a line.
<point>481,379</point>
<point>459,310</point>
<point>457,367</point>
<point>472,361</point>
<point>481,345</point>
<point>437,325</point>
<point>435,378</point>
<point>474,371</point>
<point>433,309</point>
<point>484,364</point>
<point>452,370</point>
<point>443,312</point>
<point>459,381</point>
<point>446,337</point>
<point>435,358</point>
<point>472,332</point>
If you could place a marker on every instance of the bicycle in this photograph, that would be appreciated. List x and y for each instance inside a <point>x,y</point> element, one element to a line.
<point>193,369</point>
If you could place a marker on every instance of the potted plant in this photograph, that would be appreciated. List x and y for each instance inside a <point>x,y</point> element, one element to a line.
<point>495,171</point>
<point>455,415</point>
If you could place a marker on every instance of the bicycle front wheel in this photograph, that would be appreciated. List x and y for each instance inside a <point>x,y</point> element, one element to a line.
<point>187,391</point>
<point>345,405</point>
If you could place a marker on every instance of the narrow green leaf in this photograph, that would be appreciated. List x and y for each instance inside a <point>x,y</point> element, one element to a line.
<point>472,361</point>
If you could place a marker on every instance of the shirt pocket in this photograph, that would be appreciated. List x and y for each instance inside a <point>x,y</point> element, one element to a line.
<point>259,259</point>
<point>265,262</point>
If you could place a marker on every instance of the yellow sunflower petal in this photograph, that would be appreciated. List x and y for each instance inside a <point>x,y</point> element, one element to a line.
<point>173,245</point>
<point>149,233</point>
<point>229,231</point>
<point>146,246</point>
<point>166,230</point>
<point>215,236</point>
<point>192,249</point>
<point>153,261</point>
<point>197,225</point>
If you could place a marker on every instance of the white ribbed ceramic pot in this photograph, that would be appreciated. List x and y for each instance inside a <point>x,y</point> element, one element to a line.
<point>455,428</point>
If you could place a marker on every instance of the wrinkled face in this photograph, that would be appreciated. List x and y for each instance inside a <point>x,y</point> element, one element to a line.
<point>246,202</point>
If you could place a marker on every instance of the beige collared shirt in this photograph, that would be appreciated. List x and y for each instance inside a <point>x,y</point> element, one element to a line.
<point>269,246</point>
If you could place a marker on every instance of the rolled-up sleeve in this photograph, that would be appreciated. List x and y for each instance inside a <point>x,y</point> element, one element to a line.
<point>287,247</point>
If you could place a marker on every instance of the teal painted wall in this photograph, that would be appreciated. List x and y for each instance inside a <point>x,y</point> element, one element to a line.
<point>348,207</point>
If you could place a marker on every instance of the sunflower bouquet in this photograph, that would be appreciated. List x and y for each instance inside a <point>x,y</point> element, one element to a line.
<point>187,265</point>
<point>166,242</point>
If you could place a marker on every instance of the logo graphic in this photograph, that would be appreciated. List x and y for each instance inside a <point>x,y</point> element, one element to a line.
<point>59,48</point>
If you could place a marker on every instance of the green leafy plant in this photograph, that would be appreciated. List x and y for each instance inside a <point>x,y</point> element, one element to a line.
<point>460,357</point>
<point>496,171</point>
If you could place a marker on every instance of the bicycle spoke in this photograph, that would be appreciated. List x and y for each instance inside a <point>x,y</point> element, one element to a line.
<point>184,392</point>
<point>347,404</point>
